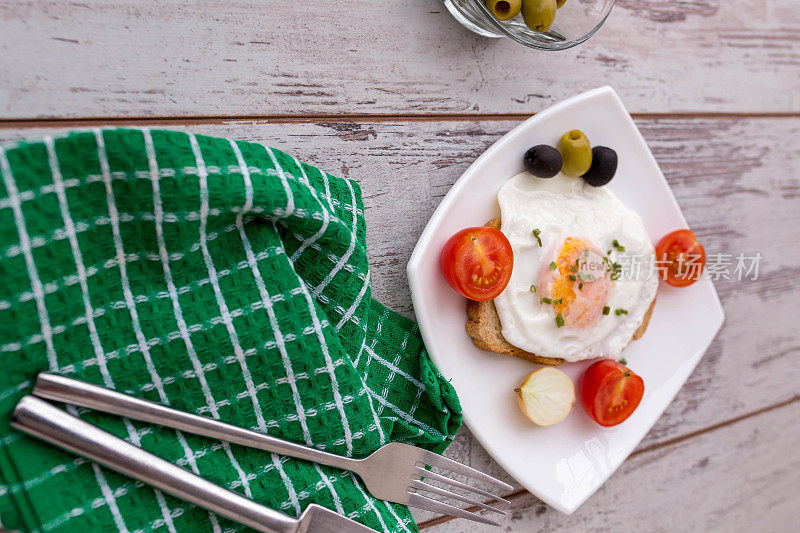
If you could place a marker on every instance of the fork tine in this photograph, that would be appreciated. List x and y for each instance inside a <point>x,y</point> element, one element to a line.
<point>434,459</point>
<point>421,485</point>
<point>423,502</point>
<point>444,479</point>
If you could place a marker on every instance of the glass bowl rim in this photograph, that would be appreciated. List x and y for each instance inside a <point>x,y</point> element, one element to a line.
<point>547,46</point>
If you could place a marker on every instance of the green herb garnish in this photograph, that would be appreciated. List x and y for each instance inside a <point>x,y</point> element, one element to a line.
<point>546,301</point>
<point>623,361</point>
<point>573,269</point>
<point>558,302</point>
<point>617,246</point>
<point>553,265</point>
<point>606,310</point>
<point>616,271</point>
<point>572,277</point>
<point>559,320</point>
<point>580,286</point>
<point>536,234</point>
<point>619,312</point>
<point>533,289</point>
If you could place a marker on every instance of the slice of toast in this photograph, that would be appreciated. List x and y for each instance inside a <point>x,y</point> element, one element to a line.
<point>484,327</point>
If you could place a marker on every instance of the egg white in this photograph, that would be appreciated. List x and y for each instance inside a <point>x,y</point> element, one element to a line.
<point>562,207</point>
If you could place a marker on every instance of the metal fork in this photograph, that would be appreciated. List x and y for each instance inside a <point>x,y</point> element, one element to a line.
<point>395,472</point>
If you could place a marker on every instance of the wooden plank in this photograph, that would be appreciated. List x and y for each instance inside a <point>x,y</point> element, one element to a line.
<point>732,177</point>
<point>742,477</point>
<point>225,58</point>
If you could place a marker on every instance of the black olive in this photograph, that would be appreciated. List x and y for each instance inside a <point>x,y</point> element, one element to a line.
<point>543,161</point>
<point>604,166</point>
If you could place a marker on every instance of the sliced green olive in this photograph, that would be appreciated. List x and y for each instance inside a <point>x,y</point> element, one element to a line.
<point>576,153</point>
<point>504,9</point>
<point>538,14</point>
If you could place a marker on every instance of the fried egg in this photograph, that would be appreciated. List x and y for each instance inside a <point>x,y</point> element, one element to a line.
<point>582,277</point>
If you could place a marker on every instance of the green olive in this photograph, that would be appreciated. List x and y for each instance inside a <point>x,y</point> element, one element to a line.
<point>538,14</point>
<point>504,9</point>
<point>576,153</point>
<point>560,3</point>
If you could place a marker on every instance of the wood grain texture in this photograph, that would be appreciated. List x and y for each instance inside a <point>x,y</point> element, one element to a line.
<point>223,58</point>
<point>742,477</point>
<point>738,182</point>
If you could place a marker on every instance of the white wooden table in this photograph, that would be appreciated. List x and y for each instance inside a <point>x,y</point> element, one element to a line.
<point>399,96</point>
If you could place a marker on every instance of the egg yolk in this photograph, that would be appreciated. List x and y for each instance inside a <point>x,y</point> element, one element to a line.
<point>576,283</point>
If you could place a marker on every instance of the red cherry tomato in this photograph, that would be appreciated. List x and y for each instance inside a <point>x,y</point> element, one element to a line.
<point>477,262</point>
<point>680,258</point>
<point>610,392</point>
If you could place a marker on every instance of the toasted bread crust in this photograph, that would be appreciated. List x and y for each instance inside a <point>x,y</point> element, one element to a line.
<point>484,327</point>
<point>645,321</point>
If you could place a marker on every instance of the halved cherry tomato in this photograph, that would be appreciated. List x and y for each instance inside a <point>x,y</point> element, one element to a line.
<point>477,262</point>
<point>610,392</point>
<point>680,258</point>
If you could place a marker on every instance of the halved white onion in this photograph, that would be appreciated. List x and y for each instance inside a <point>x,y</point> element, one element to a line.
<point>546,396</point>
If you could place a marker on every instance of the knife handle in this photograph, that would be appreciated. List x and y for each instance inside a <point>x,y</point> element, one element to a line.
<point>49,423</point>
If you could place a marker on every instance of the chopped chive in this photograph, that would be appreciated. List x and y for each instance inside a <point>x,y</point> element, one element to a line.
<point>606,310</point>
<point>533,289</point>
<point>573,269</point>
<point>615,243</point>
<point>580,286</point>
<point>553,265</point>
<point>536,234</point>
<point>623,361</point>
<point>546,301</point>
<point>616,271</point>
<point>558,302</point>
<point>619,312</point>
<point>572,277</point>
<point>559,320</point>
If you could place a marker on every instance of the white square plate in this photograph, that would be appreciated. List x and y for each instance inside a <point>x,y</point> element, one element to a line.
<point>563,464</point>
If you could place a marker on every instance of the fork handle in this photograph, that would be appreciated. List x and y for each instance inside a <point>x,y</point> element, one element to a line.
<point>71,391</point>
<point>47,422</point>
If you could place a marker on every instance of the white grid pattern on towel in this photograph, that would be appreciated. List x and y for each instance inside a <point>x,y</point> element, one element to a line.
<point>95,339</point>
<point>184,332</point>
<point>130,301</point>
<point>234,338</point>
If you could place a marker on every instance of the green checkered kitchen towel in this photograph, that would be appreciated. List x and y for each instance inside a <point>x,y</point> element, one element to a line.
<point>222,278</point>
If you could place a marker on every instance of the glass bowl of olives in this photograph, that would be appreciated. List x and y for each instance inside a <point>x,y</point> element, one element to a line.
<point>540,24</point>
